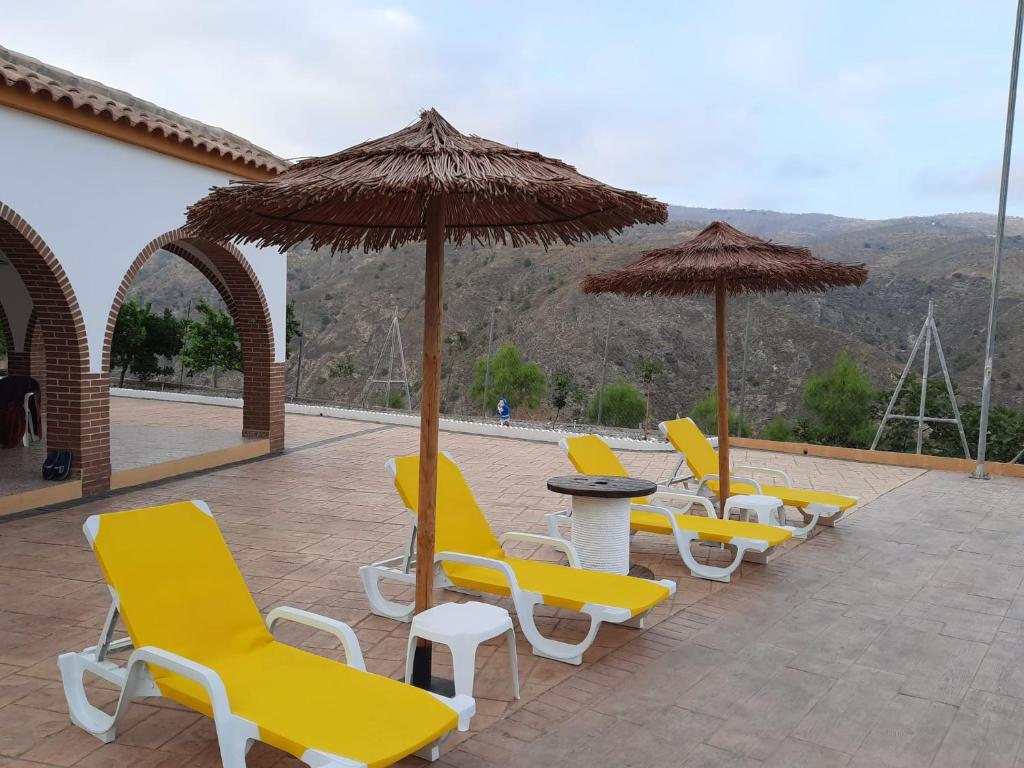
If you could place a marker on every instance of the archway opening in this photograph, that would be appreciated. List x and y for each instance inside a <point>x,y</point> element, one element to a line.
<point>45,342</point>
<point>211,283</point>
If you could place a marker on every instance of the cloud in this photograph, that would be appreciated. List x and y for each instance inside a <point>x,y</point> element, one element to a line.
<point>795,104</point>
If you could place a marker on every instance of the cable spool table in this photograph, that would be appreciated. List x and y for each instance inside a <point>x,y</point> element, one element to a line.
<point>600,517</point>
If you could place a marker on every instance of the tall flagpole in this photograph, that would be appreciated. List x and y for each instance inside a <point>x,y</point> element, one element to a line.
<point>997,259</point>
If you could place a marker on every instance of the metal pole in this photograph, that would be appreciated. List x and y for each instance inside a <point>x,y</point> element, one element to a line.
<point>924,376</point>
<point>899,387</point>
<point>302,343</point>
<point>181,374</point>
<point>487,372</point>
<point>743,368</point>
<point>949,390</point>
<point>604,368</point>
<point>997,258</point>
<point>390,341</point>
<point>401,357</point>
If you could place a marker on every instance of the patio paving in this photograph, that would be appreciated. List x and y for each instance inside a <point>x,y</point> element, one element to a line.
<point>896,639</point>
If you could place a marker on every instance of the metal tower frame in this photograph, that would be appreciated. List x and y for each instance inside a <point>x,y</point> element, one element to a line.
<point>929,332</point>
<point>392,344</point>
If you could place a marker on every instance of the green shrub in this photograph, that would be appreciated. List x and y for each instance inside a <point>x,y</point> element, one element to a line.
<point>778,429</point>
<point>623,405</point>
<point>705,414</point>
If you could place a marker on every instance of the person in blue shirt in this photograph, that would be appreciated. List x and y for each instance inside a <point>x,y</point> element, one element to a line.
<point>504,413</point>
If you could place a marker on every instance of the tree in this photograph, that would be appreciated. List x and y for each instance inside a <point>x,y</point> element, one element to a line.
<point>129,335</point>
<point>623,405</point>
<point>649,368</point>
<point>561,391</point>
<point>292,328</point>
<point>521,383</point>
<point>705,415</point>
<point>212,342</point>
<point>142,339</point>
<point>840,406</point>
<point>778,429</point>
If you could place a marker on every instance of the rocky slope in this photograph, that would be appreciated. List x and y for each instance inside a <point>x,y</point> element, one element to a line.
<point>347,301</point>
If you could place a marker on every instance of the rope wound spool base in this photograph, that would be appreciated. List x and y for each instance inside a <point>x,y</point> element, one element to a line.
<point>600,517</point>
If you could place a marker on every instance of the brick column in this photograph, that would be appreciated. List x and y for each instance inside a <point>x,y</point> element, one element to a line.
<point>76,402</point>
<point>263,406</point>
<point>78,417</point>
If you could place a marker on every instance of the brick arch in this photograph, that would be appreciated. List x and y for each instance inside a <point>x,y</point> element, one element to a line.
<point>77,418</point>
<point>233,278</point>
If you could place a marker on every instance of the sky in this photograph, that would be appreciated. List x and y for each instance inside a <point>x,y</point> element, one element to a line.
<point>870,109</point>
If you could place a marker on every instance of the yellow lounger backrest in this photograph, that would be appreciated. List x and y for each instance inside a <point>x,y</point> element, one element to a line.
<point>178,585</point>
<point>591,455</point>
<point>460,525</point>
<point>687,438</point>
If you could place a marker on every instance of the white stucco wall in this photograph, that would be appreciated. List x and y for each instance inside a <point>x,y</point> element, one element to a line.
<point>97,202</point>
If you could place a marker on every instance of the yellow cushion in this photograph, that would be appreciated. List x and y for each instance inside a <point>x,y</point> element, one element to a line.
<point>300,700</point>
<point>791,497</point>
<point>709,528</point>
<point>459,523</point>
<point>687,438</point>
<point>591,455</point>
<point>562,586</point>
<point>180,590</point>
<point>462,527</point>
<point>702,460</point>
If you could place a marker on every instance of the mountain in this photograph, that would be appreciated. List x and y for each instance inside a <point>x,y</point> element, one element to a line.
<point>347,300</point>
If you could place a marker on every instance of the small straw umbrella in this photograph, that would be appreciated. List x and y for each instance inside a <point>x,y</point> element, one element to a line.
<point>722,260</point>
<point>427,182</point>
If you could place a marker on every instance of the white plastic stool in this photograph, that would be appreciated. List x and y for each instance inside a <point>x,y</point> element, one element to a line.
<point>462,627</point>
<point>763,507</point>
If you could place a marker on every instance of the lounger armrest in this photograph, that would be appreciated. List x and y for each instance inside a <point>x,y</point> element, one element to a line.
<point>732,479</point>
<point>688,498</point>
<point>483,562</point>
<point>536,538</point>
<point>194,671</point>
<point>341,630</point>
<point>781,474</point>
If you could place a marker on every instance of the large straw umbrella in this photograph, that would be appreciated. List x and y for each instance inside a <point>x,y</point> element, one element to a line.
<point>722,260</point>
<point>426,182</point>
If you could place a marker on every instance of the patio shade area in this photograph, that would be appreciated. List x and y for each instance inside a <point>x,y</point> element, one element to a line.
<point>149,440</point>
<point>895,638</point>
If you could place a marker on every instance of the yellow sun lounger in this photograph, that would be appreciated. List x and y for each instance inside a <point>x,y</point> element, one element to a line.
<point>470,557</point>
<point>591,455</point>
<point>816,507</point>
<point>199,639</point>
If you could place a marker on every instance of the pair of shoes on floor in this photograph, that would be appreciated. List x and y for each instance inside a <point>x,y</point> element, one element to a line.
<point>57,465</point>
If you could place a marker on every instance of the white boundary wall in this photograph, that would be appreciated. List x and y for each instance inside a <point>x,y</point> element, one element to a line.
<point>97,202</point>
<point>403,419</point>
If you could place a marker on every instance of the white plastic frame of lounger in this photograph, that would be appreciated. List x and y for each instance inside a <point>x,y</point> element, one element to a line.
<point>524,601</point>
<point>234,734</point>
<point>813,514</point>
<point>555,520</point>
<point>684,538</point>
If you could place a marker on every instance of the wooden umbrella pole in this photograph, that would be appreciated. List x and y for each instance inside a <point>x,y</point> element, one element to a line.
<point>430,407</point>
<point>722,361</point>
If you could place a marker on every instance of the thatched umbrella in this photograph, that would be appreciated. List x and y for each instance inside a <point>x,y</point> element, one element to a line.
<point>722,260</point>
<point>425,182</point>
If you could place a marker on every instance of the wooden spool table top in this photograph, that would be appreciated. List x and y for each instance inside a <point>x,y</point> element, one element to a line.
<point>601,486</point>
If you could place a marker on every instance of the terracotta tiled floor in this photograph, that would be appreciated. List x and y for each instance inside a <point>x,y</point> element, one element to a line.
<point>891,640</point>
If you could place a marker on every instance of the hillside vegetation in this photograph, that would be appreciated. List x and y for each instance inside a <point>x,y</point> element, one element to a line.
<point>347,301</point>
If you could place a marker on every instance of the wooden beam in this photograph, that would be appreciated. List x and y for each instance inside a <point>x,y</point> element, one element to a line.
<point>430,404</point>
